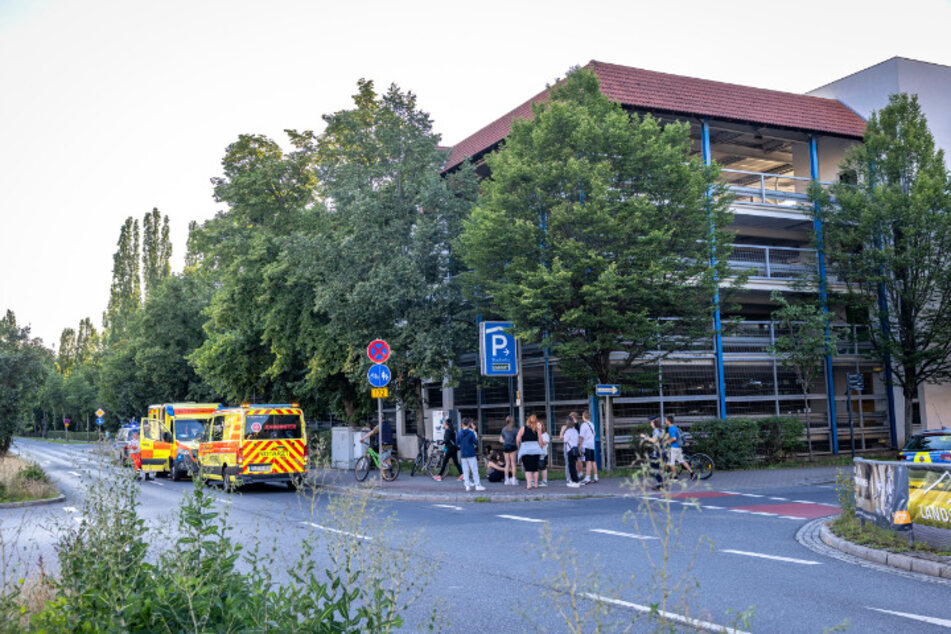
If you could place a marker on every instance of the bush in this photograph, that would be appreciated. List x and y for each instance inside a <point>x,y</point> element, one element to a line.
<point>779,437</point>
<point>33,472</point>
<point>730,442</point>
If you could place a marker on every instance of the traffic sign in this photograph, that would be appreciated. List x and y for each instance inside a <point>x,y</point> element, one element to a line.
<point>378,375</point>
<point>99,413</point>
<point>378,351</point>
<point>498,351</point>
<point>99,421</point>
<point>856,382</point>
<point>380,392</point>
<point>607,390</point>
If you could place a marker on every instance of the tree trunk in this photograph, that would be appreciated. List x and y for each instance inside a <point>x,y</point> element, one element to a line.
<point>805,411</point>
<point>909,410</point>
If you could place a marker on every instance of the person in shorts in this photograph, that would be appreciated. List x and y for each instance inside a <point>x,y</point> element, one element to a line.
<point>510,450</point>
<point>676,455</point>
<point>587,448</point>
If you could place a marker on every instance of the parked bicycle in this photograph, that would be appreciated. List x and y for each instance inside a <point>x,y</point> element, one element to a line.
<point>700,463</point>
<point>391,466</point>
<point>428,457</point>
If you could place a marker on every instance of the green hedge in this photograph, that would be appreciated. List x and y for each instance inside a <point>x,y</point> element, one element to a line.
<point>74,435</point>
<point>739,443</point>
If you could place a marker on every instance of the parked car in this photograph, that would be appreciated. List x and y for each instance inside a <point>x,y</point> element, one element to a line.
<point>933,445</point>
<point>126,441</point>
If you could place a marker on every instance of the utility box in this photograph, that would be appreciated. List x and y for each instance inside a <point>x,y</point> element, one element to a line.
<point>345,447</point>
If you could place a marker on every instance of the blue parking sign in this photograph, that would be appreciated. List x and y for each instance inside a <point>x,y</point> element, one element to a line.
<point>498,351</point>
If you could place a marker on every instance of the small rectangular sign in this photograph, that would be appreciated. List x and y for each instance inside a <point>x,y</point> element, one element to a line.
<point>380,392</point>
<point>607,390</point>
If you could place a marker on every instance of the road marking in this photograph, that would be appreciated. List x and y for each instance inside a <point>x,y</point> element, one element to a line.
<point>803,501</point>
<point>78,475</point>
<point>917,617</point>
<point>751,495</point>
<point>677,618</point>
<point>764,514</point>
<point>156,483</point>
<point>731,492</point>
<point>519,518</point>
<point>339,532</point>
<point>778,499</point>
<point>71,509</point>
<point>738,510</point>
<point>448,506</point>
<point>605,531</point>
<point>712,508</point>
<point>790,517</point>
<point>805,562</point>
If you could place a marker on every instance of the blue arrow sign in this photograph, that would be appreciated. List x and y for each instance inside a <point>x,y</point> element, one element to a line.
<point>607,390</point>
<point>498,349</point>
<point>378,375</point>
<point>99,421</point>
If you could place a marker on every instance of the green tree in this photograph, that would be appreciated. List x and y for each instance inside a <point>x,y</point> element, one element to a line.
<point>125,295</point>
<point>802,342</point>
<point>889,237</point>
<point>596,225</point>
<point>156,250</point>
<point>382,266</point>
<point>22,362</point>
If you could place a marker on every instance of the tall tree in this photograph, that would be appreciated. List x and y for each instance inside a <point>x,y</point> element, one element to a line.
<point>889,237</point>
<point>22,363</point>
<point>67,350</point>
<point>125,295</point>
<point>156,251</point>
<point>383,265</point>
<point>595,226</point>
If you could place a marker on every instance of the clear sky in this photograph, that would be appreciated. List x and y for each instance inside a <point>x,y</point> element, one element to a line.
<point>110,108</point>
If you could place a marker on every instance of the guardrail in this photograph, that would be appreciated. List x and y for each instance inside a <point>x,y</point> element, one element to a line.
<point>772,262</point>
<point>767,189</point>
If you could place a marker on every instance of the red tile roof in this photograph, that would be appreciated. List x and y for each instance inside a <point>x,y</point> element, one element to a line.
<point>650,90</point>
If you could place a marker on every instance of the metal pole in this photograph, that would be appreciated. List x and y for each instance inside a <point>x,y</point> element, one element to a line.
<point>717,325</point>
<point>608,435</point>
<point>379,421</point>
<point>848,393</point>
<point>521,385</point>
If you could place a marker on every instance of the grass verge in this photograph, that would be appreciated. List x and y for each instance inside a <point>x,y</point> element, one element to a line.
<point>23,481</point>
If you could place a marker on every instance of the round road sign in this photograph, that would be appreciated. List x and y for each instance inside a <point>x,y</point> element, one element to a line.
<point>378,351</point>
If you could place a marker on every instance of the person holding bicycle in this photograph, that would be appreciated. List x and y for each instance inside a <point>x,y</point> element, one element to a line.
<point>676,456</point>
<point>384,437</point>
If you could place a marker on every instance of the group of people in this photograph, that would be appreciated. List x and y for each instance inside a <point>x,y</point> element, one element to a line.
<point>666,450</point>
<point>530,444</point>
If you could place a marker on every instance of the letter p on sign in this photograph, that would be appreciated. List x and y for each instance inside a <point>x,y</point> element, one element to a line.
<point>498,344</point>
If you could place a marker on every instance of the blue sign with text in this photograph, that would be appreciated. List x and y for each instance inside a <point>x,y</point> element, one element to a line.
<point>607,390</point>
<point>498,350</point>
<point>378,375</point>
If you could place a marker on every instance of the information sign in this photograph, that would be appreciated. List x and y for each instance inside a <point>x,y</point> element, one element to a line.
<point>497,349</point>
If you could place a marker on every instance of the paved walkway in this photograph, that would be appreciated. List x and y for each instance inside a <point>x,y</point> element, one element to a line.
<point>424,488</point>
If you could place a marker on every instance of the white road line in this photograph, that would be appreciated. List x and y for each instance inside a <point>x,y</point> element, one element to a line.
<point>519,518</point>
<point>448,506</point>
<point>605,531</point>
<point>71,509</point>
<point>677,618</point>
<point>79,519</point>
<point>713,508</point>
<point>790,517</point>
<point>752,495</point>
<point>803,501</point>
<point>78,475</point>
<point>731,492</point>
<point>738,510</point>
<point>763,513</point>
<point>917,617</point>
<point>156,483</point>
<point>778,499</point>
<point>805,562</point>
<point>339,532</point>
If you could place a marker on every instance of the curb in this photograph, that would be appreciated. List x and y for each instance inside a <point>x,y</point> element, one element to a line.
<point>483,496</point>
<point>14,505</point>
<point>884,557</point>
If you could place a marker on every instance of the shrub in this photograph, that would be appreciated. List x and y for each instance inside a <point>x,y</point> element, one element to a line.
<point>779,436</point>
<point>33,472</point>
<point>730,442</point>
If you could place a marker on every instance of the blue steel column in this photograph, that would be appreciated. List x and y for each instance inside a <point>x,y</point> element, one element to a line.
<point>717,328</point>
<point>823,296</point>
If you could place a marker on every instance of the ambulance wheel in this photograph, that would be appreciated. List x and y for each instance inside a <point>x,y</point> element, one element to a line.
<point>173,474</point>
<point>296,482</point>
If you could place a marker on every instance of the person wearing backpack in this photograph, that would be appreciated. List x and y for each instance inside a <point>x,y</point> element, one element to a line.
<point>587,448</point>
<point>676,456</point>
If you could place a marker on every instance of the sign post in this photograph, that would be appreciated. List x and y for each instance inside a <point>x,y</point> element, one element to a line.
<point>855,382</point>
<point>379,376</point>
<point>66,427</point>
<point>607,391</point>
<point>500,355</point>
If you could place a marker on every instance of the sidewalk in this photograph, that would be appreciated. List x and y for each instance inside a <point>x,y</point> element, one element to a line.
<point>424,488</point>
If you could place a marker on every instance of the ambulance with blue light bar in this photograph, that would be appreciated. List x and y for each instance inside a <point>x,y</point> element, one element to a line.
<point>169,436</point>
<point>255,443</point>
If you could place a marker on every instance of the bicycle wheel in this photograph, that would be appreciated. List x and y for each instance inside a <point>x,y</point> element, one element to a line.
<point>391,469</point>
<point>362,469</point>
<point>702,465</point>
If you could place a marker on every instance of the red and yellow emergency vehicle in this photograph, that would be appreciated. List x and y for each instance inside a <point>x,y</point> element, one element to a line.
<point>169,436</point>
<point>254,443</point>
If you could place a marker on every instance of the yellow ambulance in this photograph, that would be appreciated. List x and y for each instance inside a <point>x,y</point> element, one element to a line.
<point>168,437</point>
<point>254,443</point>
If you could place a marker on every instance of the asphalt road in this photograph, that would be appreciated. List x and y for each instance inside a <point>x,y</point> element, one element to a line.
<point>736,549</point>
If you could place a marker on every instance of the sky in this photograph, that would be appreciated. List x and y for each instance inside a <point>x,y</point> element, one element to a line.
<point>111,108</point>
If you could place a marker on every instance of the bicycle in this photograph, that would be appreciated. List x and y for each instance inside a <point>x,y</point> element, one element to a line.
<point>391,466</point>
<point>427,459</point>
<point>700,463</point>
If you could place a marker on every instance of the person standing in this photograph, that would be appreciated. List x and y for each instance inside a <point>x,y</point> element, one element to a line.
<point>468,446</point>
<point>571,421</point>
<point>530,447</point>
<point>657,440</point>
<point>451,450</point>
<point>510,451</point>
<point>587,448</point>
<point>676,448</point>
<point>543,459</point>
<point>571,456</point>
